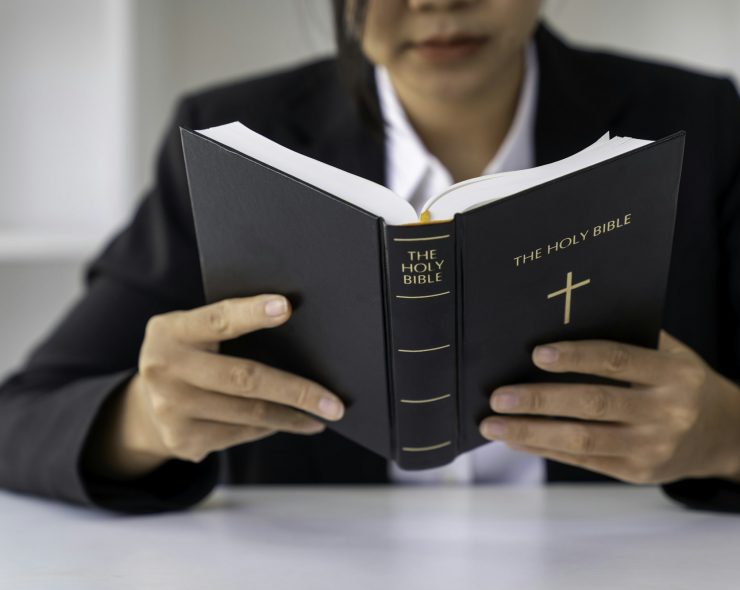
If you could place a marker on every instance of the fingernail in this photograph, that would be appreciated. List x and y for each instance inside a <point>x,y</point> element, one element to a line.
<point>494,429</point>
<point>546,354</point>
<point>316,427</point>
<point>276,307</point>
<point>505,401</point>
<point>331,408</point>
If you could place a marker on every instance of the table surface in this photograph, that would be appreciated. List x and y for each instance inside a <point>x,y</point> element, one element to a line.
<point>557,536</point>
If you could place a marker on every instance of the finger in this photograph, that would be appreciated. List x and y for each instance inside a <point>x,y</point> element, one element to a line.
<point>228,409</point>
<point>246,378</point>
<point>199,438</point>
<point>605,358</point>
<point>228,318</point>
<point>611,466</point>
<point>225,436</point>
<point>584,401</point>
<point>580,438</point>
<point>668,343</point>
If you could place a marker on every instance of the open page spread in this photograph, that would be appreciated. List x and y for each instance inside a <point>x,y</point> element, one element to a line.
<point>379,200</point>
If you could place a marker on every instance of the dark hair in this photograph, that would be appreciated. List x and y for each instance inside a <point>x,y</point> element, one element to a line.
<point>355,70</point>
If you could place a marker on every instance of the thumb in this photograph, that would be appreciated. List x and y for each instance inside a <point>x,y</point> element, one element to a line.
<point>669,343</point>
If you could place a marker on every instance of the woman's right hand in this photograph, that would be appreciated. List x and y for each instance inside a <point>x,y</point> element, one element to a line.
<point>187,400</point>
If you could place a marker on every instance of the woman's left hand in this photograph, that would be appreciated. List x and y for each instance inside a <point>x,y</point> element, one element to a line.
<point>678,418</point>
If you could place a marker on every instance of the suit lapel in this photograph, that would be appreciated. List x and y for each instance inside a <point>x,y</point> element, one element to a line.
<point>338,135</point>
<point>575,104</point>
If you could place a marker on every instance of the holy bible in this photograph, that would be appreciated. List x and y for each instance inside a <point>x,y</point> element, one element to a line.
<point>413,319</point>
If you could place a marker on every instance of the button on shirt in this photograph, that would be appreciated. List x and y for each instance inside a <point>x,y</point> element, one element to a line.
<point>415,174</point>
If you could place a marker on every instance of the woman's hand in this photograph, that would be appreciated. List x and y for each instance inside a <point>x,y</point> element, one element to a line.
<point>678,418</point>
<point>187,400</point>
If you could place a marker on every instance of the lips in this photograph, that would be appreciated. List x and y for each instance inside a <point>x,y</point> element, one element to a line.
<point>450,48</point>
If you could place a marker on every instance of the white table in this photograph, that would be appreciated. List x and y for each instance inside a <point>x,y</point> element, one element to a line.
<point>570,537</point>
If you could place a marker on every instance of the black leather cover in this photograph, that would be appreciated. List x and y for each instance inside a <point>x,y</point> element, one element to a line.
<point>260,230</point>
<point>506,311</point>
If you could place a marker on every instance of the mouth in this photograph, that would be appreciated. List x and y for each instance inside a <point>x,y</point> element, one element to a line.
<point>448,48</point>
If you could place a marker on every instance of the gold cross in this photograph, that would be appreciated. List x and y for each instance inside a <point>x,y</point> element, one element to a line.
<point>569,286</point>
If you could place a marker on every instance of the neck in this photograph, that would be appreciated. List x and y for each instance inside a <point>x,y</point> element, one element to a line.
<point>465,133</point>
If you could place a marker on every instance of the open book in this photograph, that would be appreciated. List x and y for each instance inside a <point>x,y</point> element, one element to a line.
<point>414,319</point>
<point>381,201</point>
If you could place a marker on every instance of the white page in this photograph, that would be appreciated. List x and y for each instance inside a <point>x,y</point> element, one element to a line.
<point>431,200</point>
<point>481,191</point>
<point>363,193</point>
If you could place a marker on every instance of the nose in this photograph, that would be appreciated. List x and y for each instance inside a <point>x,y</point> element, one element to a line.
<point>428,5</point>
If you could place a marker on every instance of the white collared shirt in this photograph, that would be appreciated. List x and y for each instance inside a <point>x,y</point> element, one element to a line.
<point>415,174</point>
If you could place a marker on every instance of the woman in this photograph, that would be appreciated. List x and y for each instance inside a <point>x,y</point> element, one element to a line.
<point>125,402</point>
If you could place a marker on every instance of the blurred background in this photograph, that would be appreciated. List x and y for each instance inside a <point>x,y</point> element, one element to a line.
<point>87,87</point>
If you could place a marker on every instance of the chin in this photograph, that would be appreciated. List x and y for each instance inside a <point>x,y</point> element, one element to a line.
<point>451,85</point>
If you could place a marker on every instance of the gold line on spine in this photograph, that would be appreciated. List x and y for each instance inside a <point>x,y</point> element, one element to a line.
<point>424,349</point>
<point>422,296</point>
<point>421,239</point>
<point>425,401</point>
<point>423,449</point>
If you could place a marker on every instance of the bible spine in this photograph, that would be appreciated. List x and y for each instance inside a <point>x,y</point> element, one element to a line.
<point>420,268</point>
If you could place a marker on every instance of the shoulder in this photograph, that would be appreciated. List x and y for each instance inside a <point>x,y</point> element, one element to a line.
<point>637,82</point>
<point>662,98</point>
<point>657,98</point>
<point>259,101</point>
<point>647,82</point>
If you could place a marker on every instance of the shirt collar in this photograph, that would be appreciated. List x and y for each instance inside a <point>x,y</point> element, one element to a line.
<point>408,162</point>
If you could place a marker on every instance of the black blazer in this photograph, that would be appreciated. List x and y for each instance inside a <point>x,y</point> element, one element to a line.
<point>49,405</point>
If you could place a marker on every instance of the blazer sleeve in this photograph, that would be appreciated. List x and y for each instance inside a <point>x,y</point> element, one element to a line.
<point>712,493</point>
<point>48,406</point>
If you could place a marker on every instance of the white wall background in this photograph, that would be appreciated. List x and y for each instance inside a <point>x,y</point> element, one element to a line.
<point>86,87</point>
<point>65,100</point>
